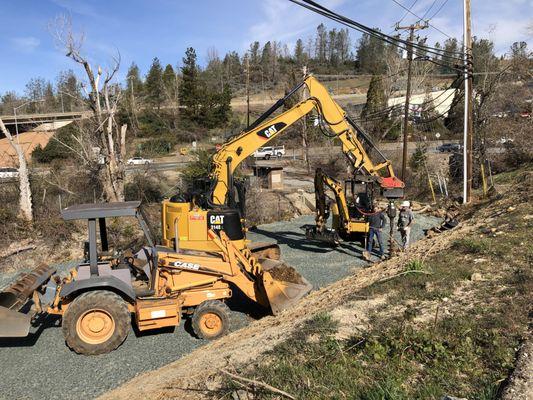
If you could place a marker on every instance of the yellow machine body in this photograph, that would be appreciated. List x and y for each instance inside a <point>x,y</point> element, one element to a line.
<point>190,224</point>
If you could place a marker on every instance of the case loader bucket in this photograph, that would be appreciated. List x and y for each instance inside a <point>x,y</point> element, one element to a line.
<point>13,323</point>
<point>15,297</point>
<point>284,286</point>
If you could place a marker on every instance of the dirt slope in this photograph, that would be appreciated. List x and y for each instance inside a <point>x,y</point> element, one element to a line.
<point>190,376</point>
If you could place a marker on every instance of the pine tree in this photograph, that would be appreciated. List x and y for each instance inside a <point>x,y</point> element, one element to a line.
<point>321,43</point>
<point>69,90</point>
<point>371,55</point>
<point>50,101</point>
<point>299,53</point>
<point>154,88</point>
<point>451,48</point>
<point>374,108</point>
<point>267,60</point>
<point>170,82</point>
<point>133,80</point>
<point>189,91</point>
<point>375,98</point>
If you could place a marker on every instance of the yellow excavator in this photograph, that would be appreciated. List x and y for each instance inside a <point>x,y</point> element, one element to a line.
<point>221,208</point>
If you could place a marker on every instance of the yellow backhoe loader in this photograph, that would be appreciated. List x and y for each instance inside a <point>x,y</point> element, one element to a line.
<point>221,208</point>
<point>157,285</point>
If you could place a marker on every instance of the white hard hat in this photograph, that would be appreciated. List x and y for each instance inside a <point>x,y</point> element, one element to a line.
<point>405,203</point>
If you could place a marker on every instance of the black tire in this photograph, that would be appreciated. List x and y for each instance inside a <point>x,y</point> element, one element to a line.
<point>202,312</point>
<point>279,155</point>
<point>101,301</point>
<point>267,157</point>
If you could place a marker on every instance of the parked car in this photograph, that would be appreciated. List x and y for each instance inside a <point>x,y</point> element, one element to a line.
<point>9,173</point>
<point>268,152</point>
<point>449,147</point>
<point>139,161</point>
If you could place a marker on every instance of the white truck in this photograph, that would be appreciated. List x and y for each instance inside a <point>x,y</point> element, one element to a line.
<point>269,152</point>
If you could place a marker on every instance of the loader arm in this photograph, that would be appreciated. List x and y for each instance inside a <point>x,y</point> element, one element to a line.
<point>261,132</point>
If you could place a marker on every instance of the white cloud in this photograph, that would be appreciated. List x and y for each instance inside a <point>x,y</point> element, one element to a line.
<point>26,44</point>
<point>284,21</point>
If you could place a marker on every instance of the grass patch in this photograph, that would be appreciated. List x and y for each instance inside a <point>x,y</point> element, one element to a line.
<point>471,246</point>
<point>415,265</point>
<point>460,355</point>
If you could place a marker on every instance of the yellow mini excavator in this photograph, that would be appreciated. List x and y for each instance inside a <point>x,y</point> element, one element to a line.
<point>189,220</point>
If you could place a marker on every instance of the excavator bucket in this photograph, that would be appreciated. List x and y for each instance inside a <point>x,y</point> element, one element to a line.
<point>284,286</point>
<point>13,323</point>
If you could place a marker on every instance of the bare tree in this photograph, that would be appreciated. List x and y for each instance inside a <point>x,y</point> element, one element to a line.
<point>106,138</point>
<point>25,206</point>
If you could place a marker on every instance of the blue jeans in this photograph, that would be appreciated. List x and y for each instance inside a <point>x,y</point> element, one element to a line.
<point>371,233</point>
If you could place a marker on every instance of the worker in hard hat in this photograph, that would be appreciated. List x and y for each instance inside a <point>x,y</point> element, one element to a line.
<point>405,222</point>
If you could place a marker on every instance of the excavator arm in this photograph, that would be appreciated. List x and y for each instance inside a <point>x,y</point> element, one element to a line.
<point>233,152</point>
<point>322,179</point>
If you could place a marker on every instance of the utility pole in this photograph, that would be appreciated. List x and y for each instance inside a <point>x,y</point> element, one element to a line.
<point>468,128</point>
<point>247,91</point>
<point>412,29</point>
<point>305,141</point>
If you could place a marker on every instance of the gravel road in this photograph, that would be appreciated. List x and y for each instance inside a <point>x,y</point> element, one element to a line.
<point>42,367</point>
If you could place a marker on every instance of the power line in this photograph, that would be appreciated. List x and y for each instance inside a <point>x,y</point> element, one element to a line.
<point>406,13</point>
<point>420,18</point>
<point>403,44</point>
<point>440,8</point>
<point>427,11</point>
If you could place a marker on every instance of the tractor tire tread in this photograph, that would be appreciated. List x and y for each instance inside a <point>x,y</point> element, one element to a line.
<point>107,300</point>
<point>216,306</point>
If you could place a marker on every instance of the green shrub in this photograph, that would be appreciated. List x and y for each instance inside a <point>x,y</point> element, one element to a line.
<point>143,188</point>
<point>199,168</point>
<point>415,265</point>
<point>156,146</point>
<point>59,147</point>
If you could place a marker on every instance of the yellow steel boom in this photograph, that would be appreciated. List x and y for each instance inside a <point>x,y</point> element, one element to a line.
<point>232,153</point>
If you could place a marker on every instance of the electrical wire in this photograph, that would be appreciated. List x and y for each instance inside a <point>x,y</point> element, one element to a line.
<point>421,18</point>
<point>401,43</point>
<point>427,11</point>
<point>406,13</point>
<point>438,10</point>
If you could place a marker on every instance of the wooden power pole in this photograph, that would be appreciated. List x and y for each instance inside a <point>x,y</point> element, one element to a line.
<point>247,91</point>
<point>412,29</point>
<point>468,128</point>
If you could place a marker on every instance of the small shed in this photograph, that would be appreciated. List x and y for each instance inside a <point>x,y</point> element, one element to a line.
<point>270,175</point>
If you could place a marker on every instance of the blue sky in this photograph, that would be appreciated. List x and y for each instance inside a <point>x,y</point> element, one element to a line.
<point>142,29</point>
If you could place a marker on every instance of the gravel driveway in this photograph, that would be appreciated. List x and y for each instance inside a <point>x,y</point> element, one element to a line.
<point>42,367</point>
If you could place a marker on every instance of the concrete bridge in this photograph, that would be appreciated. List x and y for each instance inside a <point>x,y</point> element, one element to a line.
<point>47,121</point>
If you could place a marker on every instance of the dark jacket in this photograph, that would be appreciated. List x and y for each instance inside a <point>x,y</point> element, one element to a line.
<point>377,220</point>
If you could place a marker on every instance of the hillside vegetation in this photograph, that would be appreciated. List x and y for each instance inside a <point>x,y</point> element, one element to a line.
<point>444,319</point>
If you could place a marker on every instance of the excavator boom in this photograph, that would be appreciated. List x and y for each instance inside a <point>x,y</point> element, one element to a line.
<point>352,138</point>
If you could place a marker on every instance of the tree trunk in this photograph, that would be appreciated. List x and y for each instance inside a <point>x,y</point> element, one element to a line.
<point>25,206</point>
